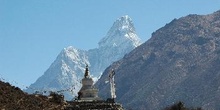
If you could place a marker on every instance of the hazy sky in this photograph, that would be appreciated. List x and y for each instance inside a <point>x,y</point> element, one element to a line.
<point>33,32</point>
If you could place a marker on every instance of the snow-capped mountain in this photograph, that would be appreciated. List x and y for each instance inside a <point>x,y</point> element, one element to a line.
<point>120,40</point>
<point>64,73</point>
<point>68,68</point>
<point>121,33</point>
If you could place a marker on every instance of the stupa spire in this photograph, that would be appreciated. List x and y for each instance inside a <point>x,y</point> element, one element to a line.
<point>86,75</point>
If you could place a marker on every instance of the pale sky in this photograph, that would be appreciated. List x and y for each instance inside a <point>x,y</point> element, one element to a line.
<point>33,32</point>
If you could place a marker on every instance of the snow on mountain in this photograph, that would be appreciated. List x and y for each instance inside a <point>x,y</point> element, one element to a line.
<point>121,27</point>
<point>63,73</point>
<point>68,68</point>
<point>120,40</point>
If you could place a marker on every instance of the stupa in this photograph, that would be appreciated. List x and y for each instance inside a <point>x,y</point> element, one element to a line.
<point>88,97</point>
<point>88,92</point>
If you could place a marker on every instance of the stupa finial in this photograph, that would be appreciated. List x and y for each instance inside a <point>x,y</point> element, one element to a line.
<point>86,71</point>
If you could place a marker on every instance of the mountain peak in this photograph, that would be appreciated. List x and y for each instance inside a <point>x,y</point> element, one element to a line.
<point>124,23</point>
<point>122,31</point>
<point>125,19</point>
<point>69,50</point>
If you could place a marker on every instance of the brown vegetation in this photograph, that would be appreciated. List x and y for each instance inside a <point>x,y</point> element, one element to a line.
<point>12,98</point>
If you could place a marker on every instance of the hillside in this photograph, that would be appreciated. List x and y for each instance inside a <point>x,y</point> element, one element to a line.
<point>180,62</point>
<point>12,98</point>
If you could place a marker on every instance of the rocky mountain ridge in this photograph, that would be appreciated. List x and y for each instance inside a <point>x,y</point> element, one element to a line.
<point>180,62</point>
